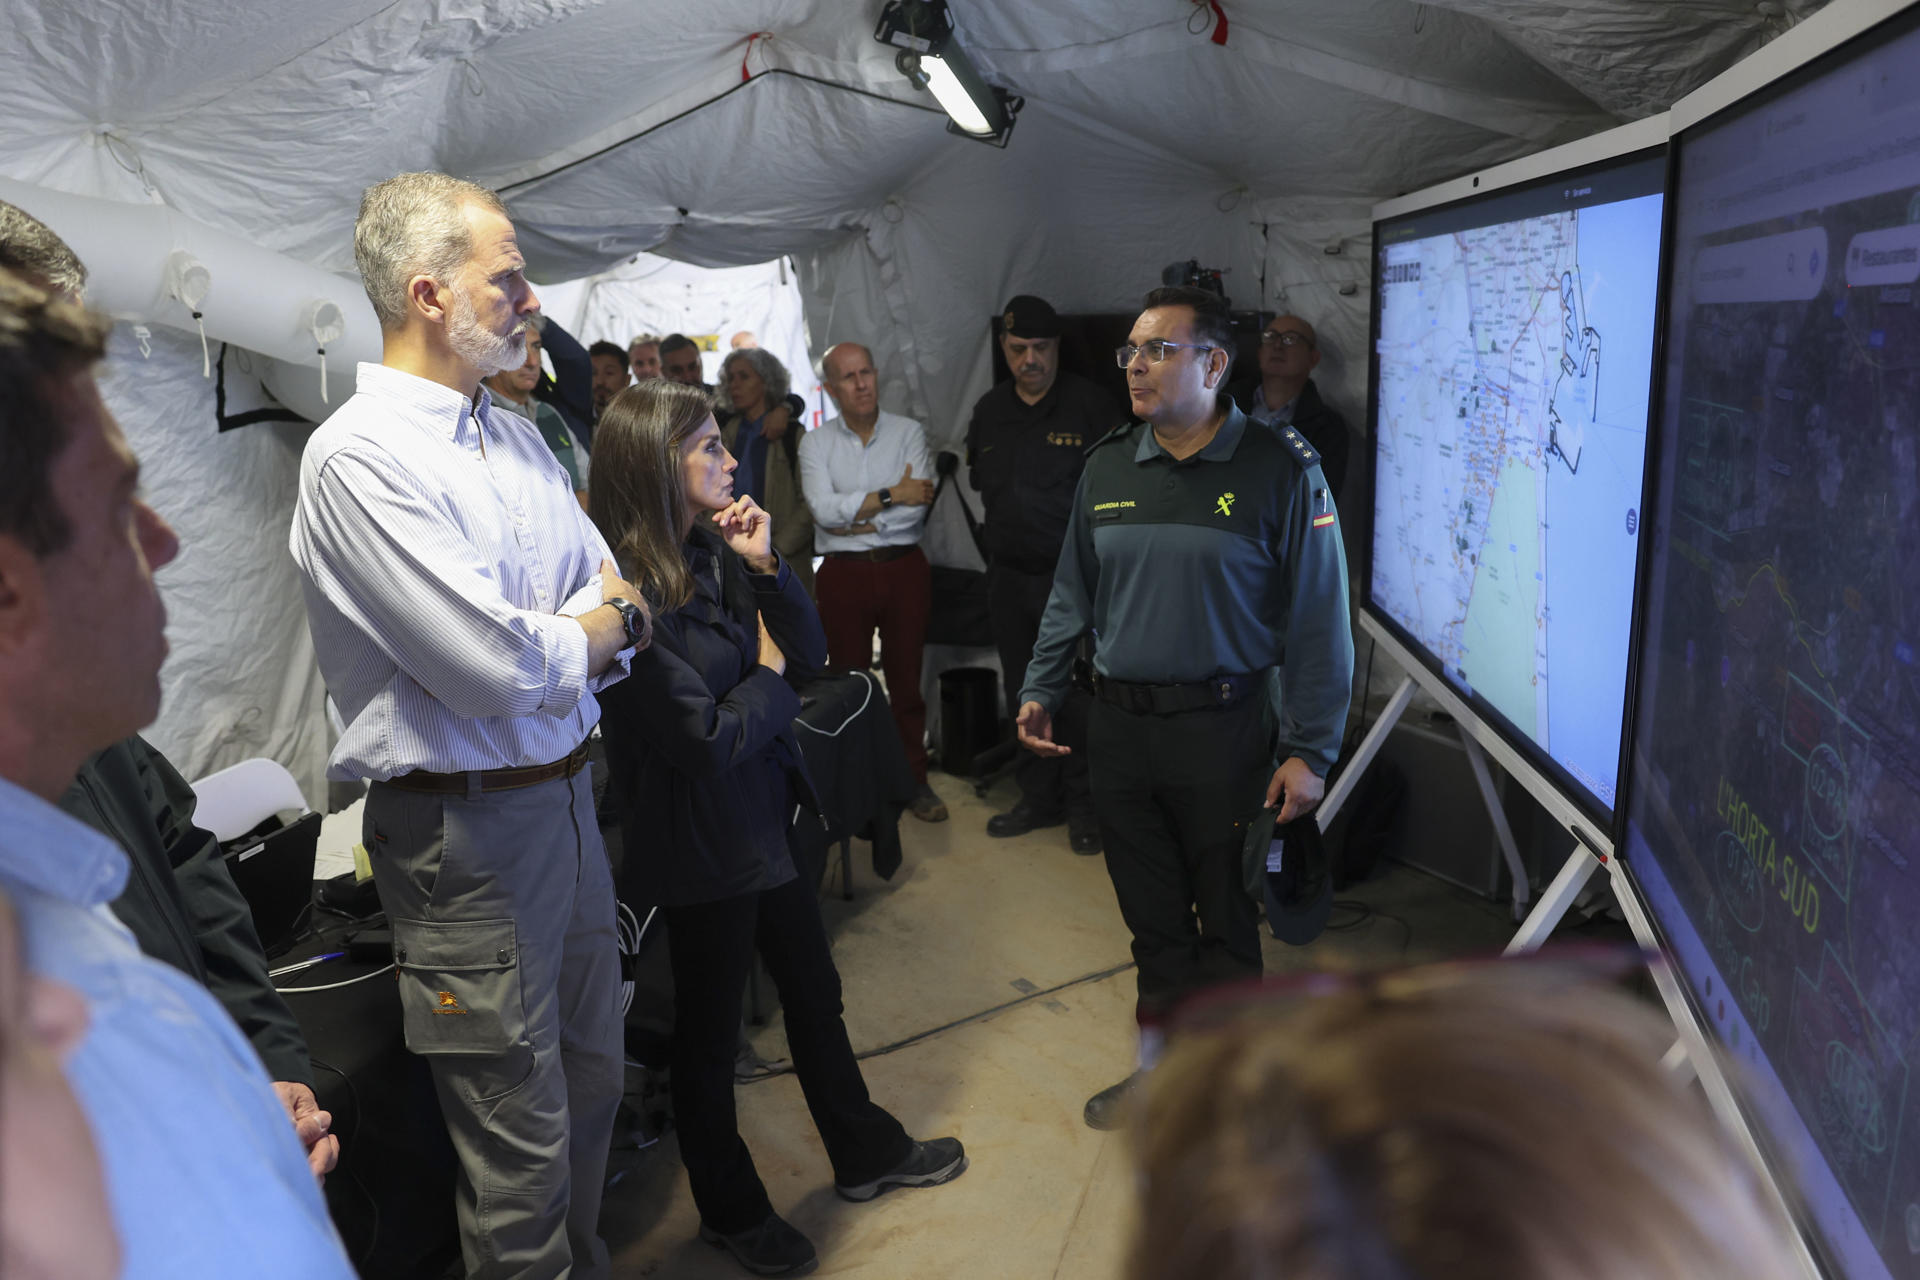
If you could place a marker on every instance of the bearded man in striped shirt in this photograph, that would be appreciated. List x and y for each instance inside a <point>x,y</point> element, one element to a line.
<point>464,612</point>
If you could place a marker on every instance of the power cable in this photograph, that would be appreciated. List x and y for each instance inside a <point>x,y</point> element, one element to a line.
<point>917,1037</point>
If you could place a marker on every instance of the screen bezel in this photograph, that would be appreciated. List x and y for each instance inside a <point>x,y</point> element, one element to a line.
<point>1807,54</point>
<point>1635,144</point>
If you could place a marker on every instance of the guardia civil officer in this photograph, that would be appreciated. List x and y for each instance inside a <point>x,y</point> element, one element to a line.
<point>1202,551</point>
<point>1026,446</point>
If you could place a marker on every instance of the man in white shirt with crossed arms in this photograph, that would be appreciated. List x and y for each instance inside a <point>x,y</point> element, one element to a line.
<point>866,477</point>
<point>464,611</point>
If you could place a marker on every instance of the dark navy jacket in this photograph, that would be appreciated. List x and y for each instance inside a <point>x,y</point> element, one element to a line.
<point>1225,563</point>
<point>702,761</point>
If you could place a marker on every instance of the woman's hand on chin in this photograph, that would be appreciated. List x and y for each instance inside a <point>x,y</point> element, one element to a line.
<point>749,531</point>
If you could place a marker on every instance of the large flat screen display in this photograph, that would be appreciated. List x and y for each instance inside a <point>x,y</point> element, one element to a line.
<point>1773,806</point>
<point>1512,363</point>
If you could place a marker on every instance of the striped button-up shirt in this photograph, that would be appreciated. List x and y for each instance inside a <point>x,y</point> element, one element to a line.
<point>443,556</point>
<point>838,470</point>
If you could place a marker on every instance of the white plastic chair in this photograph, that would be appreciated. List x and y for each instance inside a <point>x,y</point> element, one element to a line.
<point>235,800</point>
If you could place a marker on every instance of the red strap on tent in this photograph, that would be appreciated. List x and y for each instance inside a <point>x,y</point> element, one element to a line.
<point>746,75</point>
<point>1220,24</point>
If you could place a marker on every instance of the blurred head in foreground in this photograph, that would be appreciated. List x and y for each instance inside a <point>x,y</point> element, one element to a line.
<point>1496,1120</point>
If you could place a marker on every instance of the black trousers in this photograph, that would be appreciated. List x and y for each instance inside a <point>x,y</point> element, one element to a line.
<point>1174,794</point>
<point>712,945</point>
<point>1015,602</point>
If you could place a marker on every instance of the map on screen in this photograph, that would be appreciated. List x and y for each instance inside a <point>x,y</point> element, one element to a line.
<point>1514,356</point>
<point>1774,808</point>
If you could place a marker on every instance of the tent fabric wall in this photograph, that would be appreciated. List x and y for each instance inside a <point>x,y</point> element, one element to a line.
<point>240,679</point>
<point>660,296</point>
<point>732,132</point>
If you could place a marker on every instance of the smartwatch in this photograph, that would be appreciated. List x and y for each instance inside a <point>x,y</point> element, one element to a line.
<point>631,617</point>
<point>886,498</point>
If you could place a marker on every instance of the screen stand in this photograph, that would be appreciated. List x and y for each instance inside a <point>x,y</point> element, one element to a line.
<point>1552,907</point>
<point>1370,745</point>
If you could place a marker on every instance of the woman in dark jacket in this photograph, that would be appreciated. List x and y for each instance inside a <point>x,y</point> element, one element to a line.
<point>709,780</point>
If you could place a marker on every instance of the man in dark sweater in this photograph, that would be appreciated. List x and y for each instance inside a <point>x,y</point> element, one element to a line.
<point>1027,443</point>
<point>1283,395</point>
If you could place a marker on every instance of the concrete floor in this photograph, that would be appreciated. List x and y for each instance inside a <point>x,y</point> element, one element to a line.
<point>1006,951</point>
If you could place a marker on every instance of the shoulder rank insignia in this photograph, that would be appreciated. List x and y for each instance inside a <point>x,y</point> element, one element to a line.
<point>1123,432</point>
<point>1303,453</point>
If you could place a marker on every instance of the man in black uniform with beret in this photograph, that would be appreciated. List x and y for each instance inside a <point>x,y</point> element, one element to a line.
<point>1203,552</point>
<point>1026,446</point>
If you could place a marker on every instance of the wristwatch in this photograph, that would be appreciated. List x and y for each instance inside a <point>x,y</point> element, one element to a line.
<point>630,616</point>
<point>886,499</point>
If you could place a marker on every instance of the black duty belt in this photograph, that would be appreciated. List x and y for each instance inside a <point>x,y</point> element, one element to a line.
<point>1171,699</point>
<point>459,784</point>
<point>879,555</point>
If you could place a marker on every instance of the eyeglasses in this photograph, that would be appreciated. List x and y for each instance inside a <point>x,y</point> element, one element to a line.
<point>1286,338</point>
<point>1154,350</point>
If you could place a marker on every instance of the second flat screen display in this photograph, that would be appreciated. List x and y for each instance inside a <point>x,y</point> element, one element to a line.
<point>1513,361</point>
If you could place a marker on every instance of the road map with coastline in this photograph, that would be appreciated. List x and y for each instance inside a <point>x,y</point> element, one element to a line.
<point>1514,364</point>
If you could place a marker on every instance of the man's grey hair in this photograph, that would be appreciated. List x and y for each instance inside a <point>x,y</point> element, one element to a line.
<point>413,224</point>
<point>645,340</point>
<point>29,248</point>
<point>764,363</point>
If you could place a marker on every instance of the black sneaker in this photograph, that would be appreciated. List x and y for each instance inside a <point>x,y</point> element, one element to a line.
<point>928,1165</point>
<point>1084,833</point>
<point>1108,1108</point>
<point>773,1247</point>
<point>1021,819</point>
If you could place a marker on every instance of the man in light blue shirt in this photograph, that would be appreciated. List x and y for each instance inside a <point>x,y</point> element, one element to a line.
<point>867,477</point>
<point>204,1175</point>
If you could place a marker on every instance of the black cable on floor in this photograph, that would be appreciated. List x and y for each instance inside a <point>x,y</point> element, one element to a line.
<point>1365,913</point>
<point>917,1037</point>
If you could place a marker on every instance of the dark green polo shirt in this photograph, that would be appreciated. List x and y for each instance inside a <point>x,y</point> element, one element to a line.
<point>1224,563</point>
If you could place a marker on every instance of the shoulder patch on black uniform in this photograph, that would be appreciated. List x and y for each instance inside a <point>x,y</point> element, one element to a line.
<point>1297,447</point>
<point>1118,433</point>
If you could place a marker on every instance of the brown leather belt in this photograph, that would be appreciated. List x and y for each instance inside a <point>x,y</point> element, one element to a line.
<point>879,555</point>
<point>460,784</point>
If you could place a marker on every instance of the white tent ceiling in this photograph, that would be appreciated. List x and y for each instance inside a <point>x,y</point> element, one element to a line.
<point>725,132</point>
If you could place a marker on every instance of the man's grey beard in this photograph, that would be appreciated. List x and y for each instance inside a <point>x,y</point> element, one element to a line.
<point>488,352</point>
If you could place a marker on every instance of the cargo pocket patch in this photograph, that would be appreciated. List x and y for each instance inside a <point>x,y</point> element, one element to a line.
<point>460,991</point>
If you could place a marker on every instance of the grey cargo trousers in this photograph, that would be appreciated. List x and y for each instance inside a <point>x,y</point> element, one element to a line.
<point>502,909</point>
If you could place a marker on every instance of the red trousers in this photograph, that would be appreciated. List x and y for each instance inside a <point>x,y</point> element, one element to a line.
<point>855,597</point>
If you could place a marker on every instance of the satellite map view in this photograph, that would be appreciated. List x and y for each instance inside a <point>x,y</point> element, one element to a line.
<point>1775,803</point>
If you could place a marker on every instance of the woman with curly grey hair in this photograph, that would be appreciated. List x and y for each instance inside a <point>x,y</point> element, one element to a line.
<point>757,424</point>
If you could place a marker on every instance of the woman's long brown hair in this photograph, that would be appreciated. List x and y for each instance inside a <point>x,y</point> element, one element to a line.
<point>638,493</point>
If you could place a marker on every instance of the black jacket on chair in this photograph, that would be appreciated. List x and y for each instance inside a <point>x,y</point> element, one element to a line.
<point>702,761</point>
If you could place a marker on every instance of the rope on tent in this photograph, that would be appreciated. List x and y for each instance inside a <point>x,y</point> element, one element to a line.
<point>1198,22</point>
<point>746,75</point>
<point>188,281</point>
<point>326,323</point>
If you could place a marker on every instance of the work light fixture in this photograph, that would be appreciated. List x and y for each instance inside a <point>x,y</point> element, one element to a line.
<point>922,30</point>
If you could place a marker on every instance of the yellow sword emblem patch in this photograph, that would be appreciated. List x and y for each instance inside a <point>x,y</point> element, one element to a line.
<point>1224,504</point>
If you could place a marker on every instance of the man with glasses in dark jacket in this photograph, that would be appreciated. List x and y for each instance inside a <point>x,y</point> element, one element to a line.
<point>1203,553</point>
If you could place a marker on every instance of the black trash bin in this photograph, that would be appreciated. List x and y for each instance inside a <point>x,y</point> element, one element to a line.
<point>969,717</point>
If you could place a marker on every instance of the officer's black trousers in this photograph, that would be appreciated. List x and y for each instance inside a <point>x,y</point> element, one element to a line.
<point>1015,601</point>
<point>1174,794</point>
